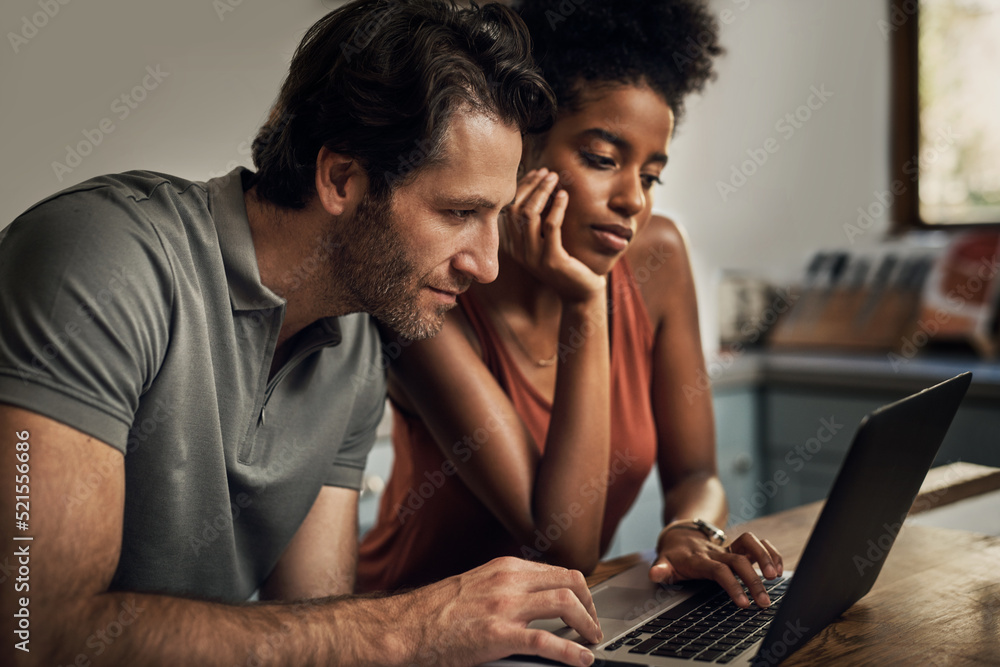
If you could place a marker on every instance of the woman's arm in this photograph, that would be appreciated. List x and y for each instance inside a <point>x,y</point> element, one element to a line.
<point>682,408</point>
<point>445,381</point>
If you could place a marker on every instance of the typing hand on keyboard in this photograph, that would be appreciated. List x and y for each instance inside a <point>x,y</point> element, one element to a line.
<point>483,615</point>
<point>688,554</point>
<point>704,628</point>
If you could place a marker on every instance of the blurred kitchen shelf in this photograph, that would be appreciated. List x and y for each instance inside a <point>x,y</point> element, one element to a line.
<point>878,372</point>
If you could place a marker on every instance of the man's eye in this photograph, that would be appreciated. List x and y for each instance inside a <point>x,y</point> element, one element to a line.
<point>462,214</point>
<point>599,161</point>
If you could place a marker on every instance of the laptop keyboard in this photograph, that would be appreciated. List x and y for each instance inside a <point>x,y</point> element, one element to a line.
<point>707,627</point>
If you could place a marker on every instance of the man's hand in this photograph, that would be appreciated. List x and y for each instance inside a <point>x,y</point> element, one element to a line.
<point>482,615</point>
<point>686,554</point>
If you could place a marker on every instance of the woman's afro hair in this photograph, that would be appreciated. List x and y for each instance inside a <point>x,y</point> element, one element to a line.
<point>667,45</point>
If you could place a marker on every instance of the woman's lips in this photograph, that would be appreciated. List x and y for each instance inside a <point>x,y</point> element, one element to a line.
<point>614,238</point>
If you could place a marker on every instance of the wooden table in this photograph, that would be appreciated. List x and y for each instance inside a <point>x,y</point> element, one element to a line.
<point>936,601</point>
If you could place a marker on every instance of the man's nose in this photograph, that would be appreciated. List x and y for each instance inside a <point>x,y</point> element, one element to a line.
<point>479,258</point>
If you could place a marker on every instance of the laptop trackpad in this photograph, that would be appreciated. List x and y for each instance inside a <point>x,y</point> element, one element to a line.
<point>619,603</point>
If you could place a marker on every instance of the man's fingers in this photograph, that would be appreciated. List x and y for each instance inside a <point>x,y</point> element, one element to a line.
<point>553,578</point>
<point>562,603</point>
<point>547,645</point>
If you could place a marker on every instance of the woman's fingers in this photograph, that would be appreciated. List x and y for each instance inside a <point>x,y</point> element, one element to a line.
<point>691,557</point>
<point>748,545</point>
<point>521,235</point>
<point>552,226</point>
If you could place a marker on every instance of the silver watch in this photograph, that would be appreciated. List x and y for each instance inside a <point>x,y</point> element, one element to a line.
<point>712,532</point>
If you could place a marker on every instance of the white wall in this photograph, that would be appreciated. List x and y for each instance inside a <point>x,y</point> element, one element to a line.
<point>223,69</point>
<point>799,199</point>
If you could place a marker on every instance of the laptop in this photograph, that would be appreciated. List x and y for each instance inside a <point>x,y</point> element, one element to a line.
<point>696,623</point>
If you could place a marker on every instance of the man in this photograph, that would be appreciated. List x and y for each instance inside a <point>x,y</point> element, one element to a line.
<point>187,400</point>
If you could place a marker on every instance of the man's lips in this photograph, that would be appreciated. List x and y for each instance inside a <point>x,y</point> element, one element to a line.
<point>453,291</point>
<point>449,294</point>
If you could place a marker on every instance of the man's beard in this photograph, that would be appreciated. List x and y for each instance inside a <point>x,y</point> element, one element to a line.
<point>373,265</point>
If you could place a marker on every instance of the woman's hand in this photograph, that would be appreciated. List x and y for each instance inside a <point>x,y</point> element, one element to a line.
<point>688,554</point>
<point>531,233</point>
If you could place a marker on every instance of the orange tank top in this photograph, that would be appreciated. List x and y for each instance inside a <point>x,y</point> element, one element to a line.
<point>431,526</point>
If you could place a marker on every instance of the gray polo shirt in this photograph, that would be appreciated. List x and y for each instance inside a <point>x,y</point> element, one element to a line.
<point>132,310</point>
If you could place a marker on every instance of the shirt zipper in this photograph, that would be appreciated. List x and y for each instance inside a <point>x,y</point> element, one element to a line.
<point>282,372</point>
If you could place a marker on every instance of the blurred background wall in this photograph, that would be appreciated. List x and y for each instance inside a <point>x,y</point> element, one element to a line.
<point>181,87</point>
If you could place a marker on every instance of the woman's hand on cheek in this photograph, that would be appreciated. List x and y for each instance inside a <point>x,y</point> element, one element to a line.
<point>687,554</point>
<point>531,234</point>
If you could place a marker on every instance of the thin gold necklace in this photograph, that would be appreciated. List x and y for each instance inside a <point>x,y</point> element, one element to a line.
<point>541,363</point>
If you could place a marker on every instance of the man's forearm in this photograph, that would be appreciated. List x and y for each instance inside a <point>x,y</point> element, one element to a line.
<point>140,629</point>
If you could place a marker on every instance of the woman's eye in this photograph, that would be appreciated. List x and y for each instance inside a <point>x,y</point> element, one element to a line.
<point>599,161</point>
<point>648,181</point>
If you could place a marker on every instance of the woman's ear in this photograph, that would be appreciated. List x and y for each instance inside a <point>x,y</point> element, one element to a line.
<point>341,182</point>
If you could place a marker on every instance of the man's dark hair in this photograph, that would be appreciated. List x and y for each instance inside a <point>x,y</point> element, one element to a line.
<point>667,45</point>
<point>379,80</point>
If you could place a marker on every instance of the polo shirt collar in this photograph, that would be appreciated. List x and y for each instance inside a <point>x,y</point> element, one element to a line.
<point>246,291</point>
<point>229,211</point>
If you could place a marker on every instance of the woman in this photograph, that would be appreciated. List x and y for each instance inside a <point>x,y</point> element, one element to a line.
<point>527,426</point>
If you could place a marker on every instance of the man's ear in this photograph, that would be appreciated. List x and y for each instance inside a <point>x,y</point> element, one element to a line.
<point>341,182</point>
